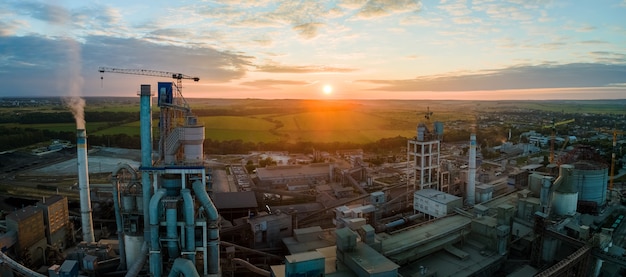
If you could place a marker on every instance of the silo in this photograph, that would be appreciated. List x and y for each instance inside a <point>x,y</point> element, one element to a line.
<point>591,181</point>
<point>566,194</point>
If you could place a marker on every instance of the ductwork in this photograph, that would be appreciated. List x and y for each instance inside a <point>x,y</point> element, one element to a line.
<point>4,259</point>
<point>211,211</point>
<point>184,267</point>
<point>171,218</point>
<point>118,221</point>
<point>133,271</point>
<point>189,213</point>
<point>252,267</point>
<point>155,249</point>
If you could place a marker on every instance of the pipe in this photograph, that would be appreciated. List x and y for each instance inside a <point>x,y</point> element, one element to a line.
<point>211,211</point>
<point>188,211</point>
<point>155,249</point>
<point>402,221</point>
<point>133,271</point>
<point>118,222</point>
<point>171,217</point>
<point>83,185</point>
<point>18,267</point>
<point>252,267</point>
<point>184,267</point>
<point>145,127</point>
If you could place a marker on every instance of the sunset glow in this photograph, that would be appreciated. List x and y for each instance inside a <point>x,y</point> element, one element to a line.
<point>328,89</point>
<point>407,49</point>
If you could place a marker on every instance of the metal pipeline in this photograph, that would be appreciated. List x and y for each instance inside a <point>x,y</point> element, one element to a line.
<point>118,222</point>
<point>155,249</point>
<point>402,221</point>
<point>188,211</point>
<point>252,267</point>
<point>133,271</point>
<point>18,267</point>
<point>184,267</point>
<point>211,211</point>
<point>171,218</point>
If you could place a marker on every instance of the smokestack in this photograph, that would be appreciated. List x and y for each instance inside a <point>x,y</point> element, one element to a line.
<point>471,176</point>
<point>145,117</point>
<point>83,185</point>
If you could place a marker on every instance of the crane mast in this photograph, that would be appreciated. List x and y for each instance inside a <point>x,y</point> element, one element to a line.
<point>552,137</point>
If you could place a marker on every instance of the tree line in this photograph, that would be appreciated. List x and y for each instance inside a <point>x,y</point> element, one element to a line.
<point>67,117</point>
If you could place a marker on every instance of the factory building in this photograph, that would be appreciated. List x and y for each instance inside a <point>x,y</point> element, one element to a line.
<point>435,203</point>
<point>282,176</point>
<point>28,224</point>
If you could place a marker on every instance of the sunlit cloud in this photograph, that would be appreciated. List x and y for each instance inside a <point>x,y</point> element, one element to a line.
<point>272,83</point>
<point>279,68</point>
<point>521,77</point>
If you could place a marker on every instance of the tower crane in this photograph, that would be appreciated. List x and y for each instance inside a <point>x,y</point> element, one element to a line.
<point>615,133</point>
<point>174,112</point>
<point>552,126</point>
<point>147,72</point>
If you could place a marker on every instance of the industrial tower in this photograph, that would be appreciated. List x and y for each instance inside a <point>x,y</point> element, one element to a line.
<point>423,156</point>
<point>173,222</point>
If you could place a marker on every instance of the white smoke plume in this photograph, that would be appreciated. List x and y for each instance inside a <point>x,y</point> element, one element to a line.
<point>74,80</point>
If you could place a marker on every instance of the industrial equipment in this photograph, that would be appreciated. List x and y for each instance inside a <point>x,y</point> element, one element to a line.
<point>615,133</point>
<point>552,126</point>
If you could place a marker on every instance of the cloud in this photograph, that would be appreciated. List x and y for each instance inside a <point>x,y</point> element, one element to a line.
<point>43,11</point>
<point>33,72</point>
<point>522,77</point>
<point>278,68</point>
<point>272,83</point>
<point>608,57</point>
<point>308,30</point>
<point>380,8</point>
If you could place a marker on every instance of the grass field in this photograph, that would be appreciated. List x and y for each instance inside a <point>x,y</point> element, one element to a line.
<point>358,121</point>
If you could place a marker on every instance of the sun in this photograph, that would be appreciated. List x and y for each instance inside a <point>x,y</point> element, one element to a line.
<point>328,89</point>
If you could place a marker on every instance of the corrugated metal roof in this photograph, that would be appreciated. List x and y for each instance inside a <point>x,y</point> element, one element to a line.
<point>235,200</point>
<point>292,170</point>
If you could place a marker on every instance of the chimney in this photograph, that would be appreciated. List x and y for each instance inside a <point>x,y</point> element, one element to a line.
<point>83,185</point>
<point>471,176</point>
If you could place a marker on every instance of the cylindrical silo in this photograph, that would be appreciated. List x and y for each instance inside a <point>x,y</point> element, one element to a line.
<point>192,139</point>
<point>565,198</point>
<point>591,181</point>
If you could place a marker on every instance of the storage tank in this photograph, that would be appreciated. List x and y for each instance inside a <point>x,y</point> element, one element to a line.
<point>192,139</point>
<point>591,181</point>
<point>566,194</point>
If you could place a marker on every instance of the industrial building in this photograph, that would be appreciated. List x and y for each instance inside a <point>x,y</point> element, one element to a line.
<point>169,221</point>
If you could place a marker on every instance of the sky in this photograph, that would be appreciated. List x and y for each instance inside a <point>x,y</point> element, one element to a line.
<point>343,49</point>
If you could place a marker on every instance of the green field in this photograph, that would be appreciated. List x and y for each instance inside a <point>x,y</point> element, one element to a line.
<point>357,121</point>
